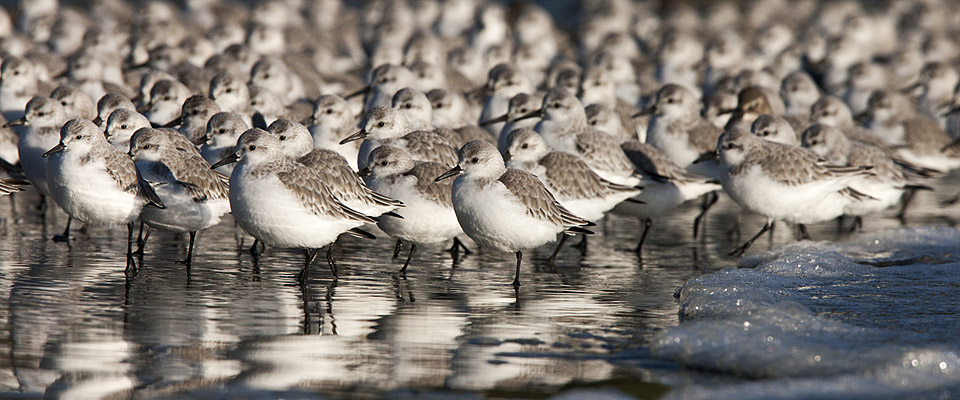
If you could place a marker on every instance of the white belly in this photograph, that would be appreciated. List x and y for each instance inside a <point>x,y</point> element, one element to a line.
<point>424,221</point>
<point>808,203</point>
<point>182,213</point>
<point>87,193</point>
<point>270,212</point>
<point>493,217</point>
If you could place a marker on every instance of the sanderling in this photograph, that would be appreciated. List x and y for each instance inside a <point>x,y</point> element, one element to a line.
<point>518,106</point>
<point>506,209</point>
<point>18,84</point>
<point>94,182</point>
<point>108,103</point>
<point>428,215</point>
<point>194,195</point>
<point>665,187</point>
<point>283,203</point>
<point>166,98</point>
<point>503,83</point>
<point>121,125</point>
<point>783,182</point>
<point>917,138</point>
<point>75,103</point>
<point>799,92</point>
<point>677,129</point>
<point>332,121</point>
<point>566,176</point>
<point>220,139</point>
<point>884,184</point>
<point>194,114</point>
<point>43,119</point>
<point>564,128</point>
<point>387,126</point>
<point>297,144</point>
<point>774,128</point>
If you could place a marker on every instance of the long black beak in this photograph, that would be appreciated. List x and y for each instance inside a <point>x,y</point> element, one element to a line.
<point>706,157</point>
<point>364,172</point>
<point>18,122</point>
<point>97,121</point>
<point>950,145</point>
<point>913,86</point>
<point>202,140</point>
<point>232,158</point>
<point>451,173</point>
<point>56,149</point>
<point>507,157</point>
<point>356,136</point>
<point>646,111</point>
<point>357,92</point>
<point>497,120</point>
<point>175,122</point>
<point>532,114</point>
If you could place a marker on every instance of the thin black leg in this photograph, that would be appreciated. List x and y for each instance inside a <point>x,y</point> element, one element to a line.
<point>413,249</point>
<point>332,262</point>
<point>907,198</point>
<point>142,238</point>
<point>708,201</point>
<point>553,256</point>
<point>516,278</point>
<point>255,249</point>
<point>643,236</point>
<point>65,236</point>
<point>130,261</point>
<point>582,245</point>
<point>189,260</point>
<point>740,250</point>
<point>396,249</point>
<point>804,235</point>
<point>304,274</point>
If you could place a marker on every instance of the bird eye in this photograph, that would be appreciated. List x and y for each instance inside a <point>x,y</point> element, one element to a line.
<point>283,137</point>
<point>228,90</point>
<point>524,146</point>
<point>408,105</point>
<point>669,101</point>
<point>146,146</point>
<point>252,147</point>
<point>384,163</point>
<point>78,137</point>
<point>195,112</point>
<point>123,127</point>
<point>329,111</point>
<point>63,103</point>
<point>475,160</point>
<point>16,72</point>
<point>556,105</point>
<point>380,124</point>
<point>438,105</point>
<point>523,110</point>
<point>221,130</point>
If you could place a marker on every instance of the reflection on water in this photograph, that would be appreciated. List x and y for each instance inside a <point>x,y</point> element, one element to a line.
<point>74,324</point>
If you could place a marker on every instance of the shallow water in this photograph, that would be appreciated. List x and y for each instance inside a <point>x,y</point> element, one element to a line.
<point>604,324</point>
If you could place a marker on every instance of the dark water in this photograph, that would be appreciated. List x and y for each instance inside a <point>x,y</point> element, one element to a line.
<point>73,324</point>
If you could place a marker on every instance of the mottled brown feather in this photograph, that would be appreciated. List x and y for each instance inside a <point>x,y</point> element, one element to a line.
<point>537,200</point>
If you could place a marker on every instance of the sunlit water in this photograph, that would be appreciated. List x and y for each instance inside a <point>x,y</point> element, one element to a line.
<point>871,317</point>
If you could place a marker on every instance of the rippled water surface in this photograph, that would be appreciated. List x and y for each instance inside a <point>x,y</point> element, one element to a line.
<point>73,323</point>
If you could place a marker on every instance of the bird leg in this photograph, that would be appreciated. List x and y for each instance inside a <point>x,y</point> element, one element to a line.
<point>643,236</point>
<point>905,202</point>
<point>331,262</point>
<point>304,274</point>
<point>65,236</point>
<point>708,201</point>
<point>396,249</point>
<point>804,235</point>
<point>142,239</point>
<point>553,257</point>
<point>189,260</point>
<point>413,249</point>
<point>740,250</point>
<point>516,278</point>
